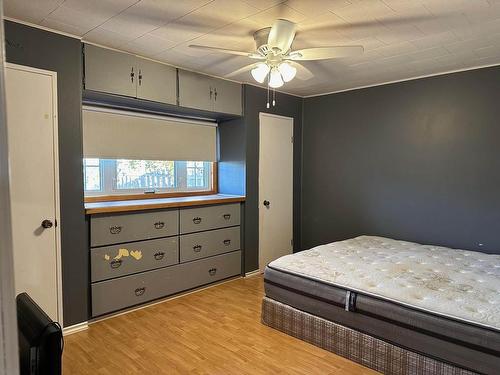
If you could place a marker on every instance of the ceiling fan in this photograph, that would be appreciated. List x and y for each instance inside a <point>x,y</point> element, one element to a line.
<point>278,62</point>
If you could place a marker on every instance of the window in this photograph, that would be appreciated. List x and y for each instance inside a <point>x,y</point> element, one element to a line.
<point>121,176</point>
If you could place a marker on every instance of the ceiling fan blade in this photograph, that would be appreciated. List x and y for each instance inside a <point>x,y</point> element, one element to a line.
<point>322,53</point>
<point>281,35</point>
<point>242,70</point>
<point>252,55</point>
<point>302,72</point>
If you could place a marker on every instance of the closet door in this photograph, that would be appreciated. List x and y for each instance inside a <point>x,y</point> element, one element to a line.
<point>110,71</point>
<point>156,82</point>
<point>195,90</point>
<point>34,192</point>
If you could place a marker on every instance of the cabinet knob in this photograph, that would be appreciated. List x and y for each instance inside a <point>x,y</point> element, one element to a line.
<point>140,291</point>
<point>212,271</point>
<point>115,263</point>
<point>267,203</point>
<point>197,248</point>
<point>226,216</point>
<point>159,225</point>
<point>197,220</point>
<point>159,255</point>
<point>227,242</point>
<point>115,229</point>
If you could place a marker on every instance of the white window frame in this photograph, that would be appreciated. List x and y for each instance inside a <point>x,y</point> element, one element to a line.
<point>108,182</point>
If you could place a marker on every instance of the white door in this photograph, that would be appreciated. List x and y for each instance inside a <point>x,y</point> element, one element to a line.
<point>275,188</point>
<point>32,142</point>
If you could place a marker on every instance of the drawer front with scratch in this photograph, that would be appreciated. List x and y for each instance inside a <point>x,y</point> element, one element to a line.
<point>120,260</point>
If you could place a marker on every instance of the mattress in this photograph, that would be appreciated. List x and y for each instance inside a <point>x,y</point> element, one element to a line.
<point>438,301</point>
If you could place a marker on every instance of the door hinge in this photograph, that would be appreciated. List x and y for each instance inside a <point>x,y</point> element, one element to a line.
<point>291,242</point>
<point>291,139</point>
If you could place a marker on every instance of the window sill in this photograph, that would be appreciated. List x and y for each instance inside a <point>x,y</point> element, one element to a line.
<point>151,204</point>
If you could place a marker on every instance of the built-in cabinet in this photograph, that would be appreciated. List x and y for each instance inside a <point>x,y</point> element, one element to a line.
<point>139,257</point>
<point>119,73</point>
<point>209,93</point>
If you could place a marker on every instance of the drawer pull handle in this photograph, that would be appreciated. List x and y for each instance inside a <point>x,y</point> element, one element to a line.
<point>197,248</point>
<point>115,263</point>
<point>159,255</point>
<point>212,271</point>
<point>115,229</point>
<point>227,216</point>
<point>227,242</point>
<point>159,225</point>
<point>140,291</point>
<point>197,220</point>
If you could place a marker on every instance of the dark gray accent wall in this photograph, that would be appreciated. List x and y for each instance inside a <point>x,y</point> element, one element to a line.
<point>239,155</point>
<point>417,161</point>
<point>41,49</point>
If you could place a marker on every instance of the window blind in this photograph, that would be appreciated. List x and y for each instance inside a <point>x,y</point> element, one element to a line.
<point>113,134</point>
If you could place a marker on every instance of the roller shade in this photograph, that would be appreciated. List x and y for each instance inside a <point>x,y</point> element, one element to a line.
<point>110,134</point>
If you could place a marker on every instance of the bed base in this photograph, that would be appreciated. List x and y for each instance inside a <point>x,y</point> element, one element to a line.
<point>351,344</point>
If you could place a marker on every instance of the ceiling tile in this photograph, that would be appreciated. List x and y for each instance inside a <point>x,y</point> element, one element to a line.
<point>29,10</point>
<point>106,38</point>
<point>267,17</point>
<point>83,20</point>
<point>148,45</point>
<point>313,8</point>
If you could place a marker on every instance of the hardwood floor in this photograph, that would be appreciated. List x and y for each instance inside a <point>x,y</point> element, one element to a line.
<point>213,331</point>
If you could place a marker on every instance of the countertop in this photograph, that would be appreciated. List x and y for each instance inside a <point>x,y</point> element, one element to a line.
<point>155,203</point>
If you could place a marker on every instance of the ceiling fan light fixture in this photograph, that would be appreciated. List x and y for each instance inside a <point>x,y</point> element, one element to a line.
<point>287,71</point>
<point>259,73</point>
<point>275,79</point>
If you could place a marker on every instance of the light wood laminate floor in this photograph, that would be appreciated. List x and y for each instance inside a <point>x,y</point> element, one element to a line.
<point>212,331</point>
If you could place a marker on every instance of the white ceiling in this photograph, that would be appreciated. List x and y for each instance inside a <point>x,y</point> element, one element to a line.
<point>402,38</point>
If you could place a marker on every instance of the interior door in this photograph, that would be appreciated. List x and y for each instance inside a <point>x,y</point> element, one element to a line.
<point>275,188</point>
<point>32,142</point>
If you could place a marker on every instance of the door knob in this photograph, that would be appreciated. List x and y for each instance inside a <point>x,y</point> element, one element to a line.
<point>267,203</point>
<point>47,224</point>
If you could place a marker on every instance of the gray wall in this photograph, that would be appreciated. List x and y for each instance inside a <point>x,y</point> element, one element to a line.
<point>45,50</point>
<point>239,140</point>
<point>418,161</point>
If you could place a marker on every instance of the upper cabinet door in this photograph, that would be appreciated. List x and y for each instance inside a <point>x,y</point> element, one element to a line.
<point>156,82</point>
<point>195,90</point>
<point>227,97</point>
<point>110,71</point>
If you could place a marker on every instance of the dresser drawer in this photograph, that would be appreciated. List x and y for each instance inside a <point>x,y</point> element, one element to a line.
<point>200,245</point>
<point>212,217</point>
<point>116,294</point>
<point>120,260</point>
<point>119,228</point>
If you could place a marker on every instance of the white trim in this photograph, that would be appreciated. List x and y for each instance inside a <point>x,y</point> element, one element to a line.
<point>253,273</point>
<point>161,300</point>
<point>273,115</point>
<point>36,26</point>
<point>150,116</point>
<point>57,197</point>
<point>405,80</point>
<point>75,328</point>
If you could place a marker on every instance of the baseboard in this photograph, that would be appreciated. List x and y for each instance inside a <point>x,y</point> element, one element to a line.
<point>75,328</point>
<point>253,273</point>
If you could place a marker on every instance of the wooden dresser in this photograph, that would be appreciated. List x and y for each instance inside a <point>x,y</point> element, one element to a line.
<point>137,257</point>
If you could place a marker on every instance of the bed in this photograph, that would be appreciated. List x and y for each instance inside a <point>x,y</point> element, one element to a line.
<point>395,306</point>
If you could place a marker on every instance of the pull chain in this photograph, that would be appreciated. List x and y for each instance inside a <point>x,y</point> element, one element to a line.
<point>274,97</point>
<point>267,104</point>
